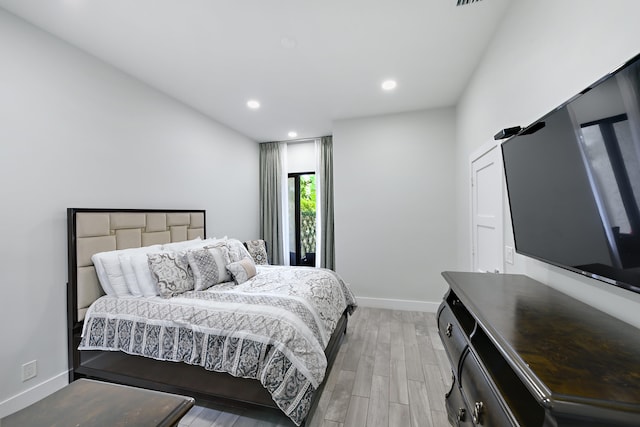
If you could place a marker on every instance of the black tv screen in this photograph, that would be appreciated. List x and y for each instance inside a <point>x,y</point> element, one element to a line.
<point>573,182</point>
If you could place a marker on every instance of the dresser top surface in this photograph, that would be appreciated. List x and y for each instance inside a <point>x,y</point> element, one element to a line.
<point>568,350</point>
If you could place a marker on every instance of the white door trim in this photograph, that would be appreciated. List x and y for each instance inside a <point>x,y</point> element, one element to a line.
<point>475,155</point>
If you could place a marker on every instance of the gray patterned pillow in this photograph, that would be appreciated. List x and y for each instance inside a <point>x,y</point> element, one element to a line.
<point>209,266</point>
<point>237,251</point>
<point>242,270</point>
<point>172,273</point>
<point>258,251</point>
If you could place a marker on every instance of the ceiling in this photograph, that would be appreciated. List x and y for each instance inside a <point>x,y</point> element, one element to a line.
<point>308,62</point>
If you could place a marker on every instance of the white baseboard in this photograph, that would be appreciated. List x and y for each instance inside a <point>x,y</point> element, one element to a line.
<point>32,395</point>
<point>398,304</point>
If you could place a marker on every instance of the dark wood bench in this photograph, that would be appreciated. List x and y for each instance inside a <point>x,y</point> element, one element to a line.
<point>93,403</point>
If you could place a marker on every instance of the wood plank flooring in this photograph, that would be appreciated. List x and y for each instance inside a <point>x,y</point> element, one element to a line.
<point>391,371</point>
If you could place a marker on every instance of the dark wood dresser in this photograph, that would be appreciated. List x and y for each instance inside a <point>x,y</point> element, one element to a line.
<point>525,354</point>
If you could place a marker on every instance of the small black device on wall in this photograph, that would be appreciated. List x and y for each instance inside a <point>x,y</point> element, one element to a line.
<point>507,133</point>
<point>463,2</point>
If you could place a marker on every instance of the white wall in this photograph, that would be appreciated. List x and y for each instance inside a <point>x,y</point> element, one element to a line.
<point>301,157</point>
<point>544,52</point>
<point>394,186</point>
<point>75,132</point>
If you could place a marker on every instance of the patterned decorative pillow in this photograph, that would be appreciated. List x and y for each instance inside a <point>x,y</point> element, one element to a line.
<point>242,270</point>
<point>237,251</point>
<point>258,251</point>
<point>209,266</point>
<point>172,272</point>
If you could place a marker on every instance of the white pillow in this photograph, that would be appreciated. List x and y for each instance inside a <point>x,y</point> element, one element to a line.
<point>129,275</point>
<point>126,272</point>
<point>146,281</point>
<point>102,274</point>
<point>111,264</point>
<point>181,246</point>
<point>127,267</point>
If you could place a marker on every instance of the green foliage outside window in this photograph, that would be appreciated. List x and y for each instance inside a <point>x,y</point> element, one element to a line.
<point>308,212</point>
<point>308,193</point>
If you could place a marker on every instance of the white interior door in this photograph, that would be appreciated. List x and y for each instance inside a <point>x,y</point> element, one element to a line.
<point>486,210</point>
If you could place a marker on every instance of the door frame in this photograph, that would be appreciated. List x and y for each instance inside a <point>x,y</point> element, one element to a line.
<point>298,213</point>
<point>476,155</point>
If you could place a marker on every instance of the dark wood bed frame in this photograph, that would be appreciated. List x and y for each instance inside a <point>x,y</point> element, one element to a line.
<point>173,377</point>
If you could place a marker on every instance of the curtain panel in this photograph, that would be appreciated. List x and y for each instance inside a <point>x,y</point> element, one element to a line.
<point>325,256</point>
<point>273,215</point>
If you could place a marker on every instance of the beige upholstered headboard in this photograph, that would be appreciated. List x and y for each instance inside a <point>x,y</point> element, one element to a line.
<point>98,230</point>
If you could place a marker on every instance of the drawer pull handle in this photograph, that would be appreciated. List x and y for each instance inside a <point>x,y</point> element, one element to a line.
<point>461,414</point>
<point>448,330</point>
<point>478,409</point>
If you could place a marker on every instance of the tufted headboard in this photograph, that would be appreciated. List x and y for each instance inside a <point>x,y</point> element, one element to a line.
<point>90,231</point>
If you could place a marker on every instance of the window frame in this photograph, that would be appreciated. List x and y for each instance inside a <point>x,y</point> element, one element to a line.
<point>298,213</point>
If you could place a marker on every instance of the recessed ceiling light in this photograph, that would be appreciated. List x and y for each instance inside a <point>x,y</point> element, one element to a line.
<point>389,84</point>
<point>253,104</point>
<point>292,134</point>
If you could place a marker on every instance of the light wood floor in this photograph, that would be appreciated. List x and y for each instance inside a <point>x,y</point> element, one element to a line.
<point>391,371</point>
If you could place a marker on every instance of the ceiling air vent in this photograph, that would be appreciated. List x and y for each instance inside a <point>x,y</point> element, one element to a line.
<point>463,2</point>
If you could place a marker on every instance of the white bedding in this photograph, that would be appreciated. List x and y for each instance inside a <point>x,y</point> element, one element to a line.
<point>273,328</point>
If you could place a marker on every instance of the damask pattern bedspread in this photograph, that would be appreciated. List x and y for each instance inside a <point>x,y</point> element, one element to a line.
<point>273,328</point>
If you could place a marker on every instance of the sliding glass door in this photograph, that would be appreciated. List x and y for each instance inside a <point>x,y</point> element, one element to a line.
<point>302,219</point>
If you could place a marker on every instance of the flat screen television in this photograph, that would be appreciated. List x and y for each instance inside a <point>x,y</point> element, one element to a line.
<point>573,182</point>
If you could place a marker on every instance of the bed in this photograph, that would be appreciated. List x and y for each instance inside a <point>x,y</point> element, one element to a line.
<point>267,340</point>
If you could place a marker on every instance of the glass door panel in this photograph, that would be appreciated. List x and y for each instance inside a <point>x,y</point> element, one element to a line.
<point>302,219</point>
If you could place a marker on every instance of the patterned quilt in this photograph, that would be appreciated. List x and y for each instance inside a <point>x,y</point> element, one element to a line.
<point>273,328</point>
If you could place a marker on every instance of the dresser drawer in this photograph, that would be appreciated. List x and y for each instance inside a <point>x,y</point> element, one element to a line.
<point>452,336</point>
<point>457,410</point>
<point>484,407</point>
